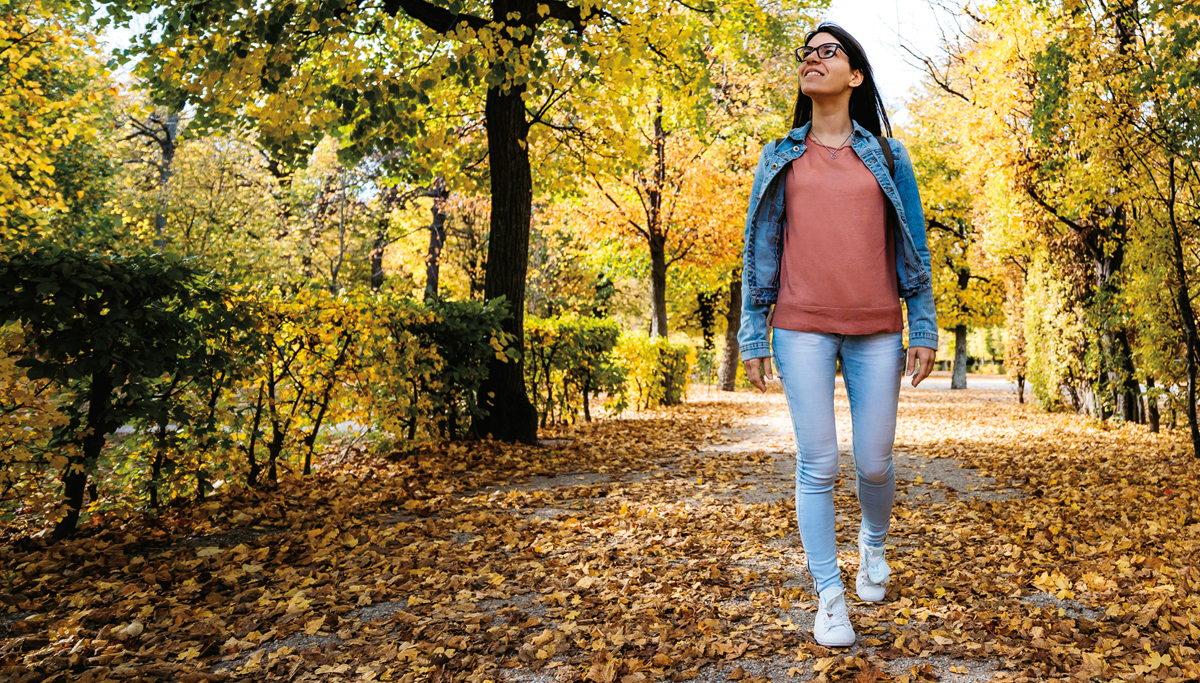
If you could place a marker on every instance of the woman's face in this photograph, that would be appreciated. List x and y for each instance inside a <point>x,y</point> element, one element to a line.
<point>831,76</point>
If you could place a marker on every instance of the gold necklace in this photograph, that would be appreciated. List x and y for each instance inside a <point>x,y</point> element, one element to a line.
<point>832,152</point>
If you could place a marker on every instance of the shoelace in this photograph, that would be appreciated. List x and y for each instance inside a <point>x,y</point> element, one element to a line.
<point>836,619</point>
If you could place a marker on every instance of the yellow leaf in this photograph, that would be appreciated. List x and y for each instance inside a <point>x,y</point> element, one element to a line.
<point>312,626</point>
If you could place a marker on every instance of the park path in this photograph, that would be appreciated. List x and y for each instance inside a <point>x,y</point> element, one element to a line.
<point>656,545</point>
<point>744,471</point>
<point>761,434</point>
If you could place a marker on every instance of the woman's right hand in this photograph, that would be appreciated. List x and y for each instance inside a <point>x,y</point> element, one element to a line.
<point>758,371</point>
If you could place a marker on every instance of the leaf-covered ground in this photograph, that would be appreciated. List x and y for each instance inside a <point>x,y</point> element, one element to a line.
<point>1027,546</point>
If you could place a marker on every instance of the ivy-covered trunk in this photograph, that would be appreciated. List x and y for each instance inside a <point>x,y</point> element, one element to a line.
<point>510,416</point>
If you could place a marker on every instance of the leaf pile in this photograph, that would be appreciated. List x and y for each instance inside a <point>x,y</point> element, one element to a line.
<point>452,564</point>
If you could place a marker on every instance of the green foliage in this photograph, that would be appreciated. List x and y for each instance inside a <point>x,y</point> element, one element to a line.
<point>219,385</point>
<point>465,335</point>
<point>53,99</point>
<point>567,361</point>
<point>107,332</point>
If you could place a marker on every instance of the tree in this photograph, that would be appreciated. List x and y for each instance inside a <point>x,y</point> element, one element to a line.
<point>1074,127</point>
<point>681,210</point>
<point>104,330</point>
<point>527,63</point>
<point>54,96</point>
<point>968,294</point>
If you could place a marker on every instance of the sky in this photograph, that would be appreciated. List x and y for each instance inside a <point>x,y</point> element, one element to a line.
<point>882,26</point>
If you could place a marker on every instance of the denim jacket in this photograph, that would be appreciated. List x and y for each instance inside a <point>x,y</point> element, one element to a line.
<point>765,224</point>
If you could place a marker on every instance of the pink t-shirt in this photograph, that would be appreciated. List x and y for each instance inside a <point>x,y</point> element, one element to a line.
<point>839,259</point>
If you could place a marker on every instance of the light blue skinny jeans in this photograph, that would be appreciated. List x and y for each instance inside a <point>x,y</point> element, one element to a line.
<point>872,366</point>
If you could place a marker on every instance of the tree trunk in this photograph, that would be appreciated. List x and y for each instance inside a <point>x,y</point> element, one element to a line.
<point>1020,388</point>
<point>75,483</point>
<point>167,144</point>
<point>1129,392</point>
<point>958,378</point>
<point>731,358</point>
<point>657,237</point>
<point>658,285</point>
<point>1183,302</point>
<point>509,414</point>
<point>1152,416</point>
<point>253,466</point>
<point>437,237</point>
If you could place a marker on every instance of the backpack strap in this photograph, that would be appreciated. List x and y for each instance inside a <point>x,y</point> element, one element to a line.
<point>886,147</point>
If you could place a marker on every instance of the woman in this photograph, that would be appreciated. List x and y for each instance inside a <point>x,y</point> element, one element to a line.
<point>834,239</point>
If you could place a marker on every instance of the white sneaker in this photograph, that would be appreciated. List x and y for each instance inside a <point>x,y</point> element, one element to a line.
<point>873,573</point>
<point>833,627</point>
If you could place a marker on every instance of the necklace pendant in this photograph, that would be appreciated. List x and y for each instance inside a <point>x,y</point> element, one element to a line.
<point>833,155</point>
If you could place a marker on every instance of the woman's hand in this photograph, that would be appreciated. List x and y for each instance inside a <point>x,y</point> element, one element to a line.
<point>920,363</point>
<point>757,371</point>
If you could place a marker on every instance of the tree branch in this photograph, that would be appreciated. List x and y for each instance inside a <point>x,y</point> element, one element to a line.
<point>437,18</point>
<point>1033,193</point>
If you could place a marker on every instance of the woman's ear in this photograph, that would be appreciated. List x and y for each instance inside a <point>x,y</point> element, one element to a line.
<point>856,78</point>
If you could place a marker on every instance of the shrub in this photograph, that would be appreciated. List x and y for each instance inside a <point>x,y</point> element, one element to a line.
<point>112,336</point>
<point>567,361</point>
<point>657,370</point>
<point>217,385</point>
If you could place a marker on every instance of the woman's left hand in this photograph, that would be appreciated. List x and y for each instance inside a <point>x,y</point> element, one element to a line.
<point>920,363</point>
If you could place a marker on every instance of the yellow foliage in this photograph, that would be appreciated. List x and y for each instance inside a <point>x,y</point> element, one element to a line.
<point>40,53</point>
<point>28,418</point>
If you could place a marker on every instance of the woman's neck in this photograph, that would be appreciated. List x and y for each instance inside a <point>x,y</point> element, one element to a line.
<point>831,119</point>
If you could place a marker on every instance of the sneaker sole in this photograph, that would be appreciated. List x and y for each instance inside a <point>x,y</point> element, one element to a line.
<point>858,588</point>
<point>839,643</point>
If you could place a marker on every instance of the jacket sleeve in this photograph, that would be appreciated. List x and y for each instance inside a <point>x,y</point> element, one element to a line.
<point>752,333</point>
<point>922,311</point>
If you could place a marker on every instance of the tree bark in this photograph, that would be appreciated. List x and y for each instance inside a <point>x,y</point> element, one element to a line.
<point>657,237</point>
<point>958,378</point>
<point>75,483</point>
<point>658,284</point>
<point>437,237</point>
<point>509,414</point>
<point>731,358</point>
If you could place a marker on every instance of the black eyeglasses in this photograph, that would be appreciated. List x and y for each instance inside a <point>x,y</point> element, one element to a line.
<point>824,51</point>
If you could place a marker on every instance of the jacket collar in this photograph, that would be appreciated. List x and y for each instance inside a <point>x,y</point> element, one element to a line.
<point>798,134</point>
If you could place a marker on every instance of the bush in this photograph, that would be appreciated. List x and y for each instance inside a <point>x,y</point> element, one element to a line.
<point>657,370</point>
<point>112,337</point>
<point>464,335</point>
<point>218,385</point>
<point>567,361</point>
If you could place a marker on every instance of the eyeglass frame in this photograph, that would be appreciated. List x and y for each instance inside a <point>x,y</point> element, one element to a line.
<point>802,58</point>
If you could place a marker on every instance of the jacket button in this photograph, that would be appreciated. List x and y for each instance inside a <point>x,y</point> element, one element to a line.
<point>796,148</point>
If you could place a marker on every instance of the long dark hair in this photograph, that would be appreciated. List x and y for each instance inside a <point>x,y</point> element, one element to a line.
<point>866,106</point>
